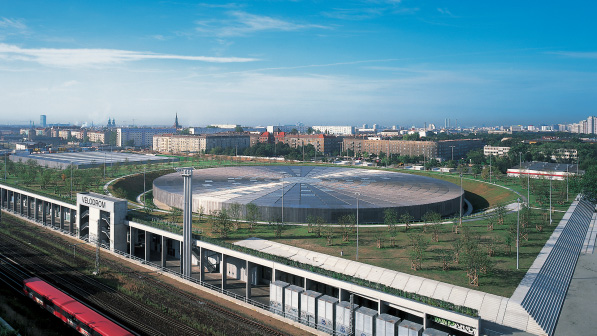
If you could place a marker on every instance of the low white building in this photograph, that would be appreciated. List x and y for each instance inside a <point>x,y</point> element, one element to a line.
<point>495,150</point>
<point>545,170</point>
<point>335,130</point>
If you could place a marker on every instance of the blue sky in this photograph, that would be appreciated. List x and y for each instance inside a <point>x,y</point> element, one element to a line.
<point>391,62</point>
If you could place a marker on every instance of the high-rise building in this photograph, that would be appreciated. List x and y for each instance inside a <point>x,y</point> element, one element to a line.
<point>42,120</point>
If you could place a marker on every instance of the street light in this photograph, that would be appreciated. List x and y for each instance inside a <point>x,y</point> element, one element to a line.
<point>567,176</point>
<point>461,192</point>
<point>517,231</point>
<point>550,221</point>
<point>71,179</point>
<point>452,152</point>
<point>357,194</point>
<point>490,156</point>
<point>282,180</point>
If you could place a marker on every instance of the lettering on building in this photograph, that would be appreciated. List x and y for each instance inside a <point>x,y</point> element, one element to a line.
<point>93,202</point>
<point>455,325</point>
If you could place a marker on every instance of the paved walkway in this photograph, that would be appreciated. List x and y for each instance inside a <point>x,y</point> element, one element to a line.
<point>578,314</point>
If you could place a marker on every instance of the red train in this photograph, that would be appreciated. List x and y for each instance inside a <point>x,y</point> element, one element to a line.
<point>70,311</point>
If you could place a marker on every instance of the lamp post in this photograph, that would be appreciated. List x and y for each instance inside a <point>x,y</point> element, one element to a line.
<point>490,156</point>
<point>528,188</point>
<point>282,180</point>
<point>550,220</point>
<point>567,176</point>
<point>452,152</point>
<point>357,194</point>
<point>71,179</point>
<point>143,184</point>
<point>517,231</point>
<point>5,156</point>
<point>461,192</point>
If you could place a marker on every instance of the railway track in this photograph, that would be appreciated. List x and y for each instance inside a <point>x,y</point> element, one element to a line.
<point>72,278</point>
<point>87,289</point>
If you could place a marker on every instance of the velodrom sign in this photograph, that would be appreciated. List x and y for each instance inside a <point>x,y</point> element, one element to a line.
<point>99,201</point>
<point>94,202</point>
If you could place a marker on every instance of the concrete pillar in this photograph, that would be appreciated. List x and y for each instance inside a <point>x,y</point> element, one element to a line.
<point>44,215</point>
<point>132,240</point>
<point>147,246</point>
<point>248,285</point>
<point>202,262</point>
<point>382,307</point>
<point>424,321</point>
<point>61,217</point>
<point>164,251</point>
<point>21,205</point>
<point>36,210</point>
<point>71,223</point>
<point>224,269</point>
<point>180,252</point>
<point>53,214</point>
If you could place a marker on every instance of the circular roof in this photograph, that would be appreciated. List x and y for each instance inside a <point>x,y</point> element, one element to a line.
<point>311,187</point>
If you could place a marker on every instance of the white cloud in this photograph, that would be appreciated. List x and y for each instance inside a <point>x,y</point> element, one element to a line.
<point>243,23</point>
<point>10,27</point>
<point>577,54</point>
<point>97,57</point>
<point>445,11</point>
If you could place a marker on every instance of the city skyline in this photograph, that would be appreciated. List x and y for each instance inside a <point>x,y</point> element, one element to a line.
<point>266,63</point>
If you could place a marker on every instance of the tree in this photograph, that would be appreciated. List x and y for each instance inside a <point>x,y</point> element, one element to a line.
<point>238,129</point>
<point>445,257</point>
<point>319,226</point>
<point>500,212</point>
<point>201,212</point>
<point>46,178</point>
<point>418,248</point>
<point>234,211</point>
<point>252,215</point>
<point>589,184</point>
<point>407,219</point>
<point>175,214</point>
<point>347,225</point>
<point>432,219</point>
<point>221,223</point>
<point>328,232</point>
<point>278,227</point>
<point>149,205</point>
<point>390,219</point>
<point>476,261</point>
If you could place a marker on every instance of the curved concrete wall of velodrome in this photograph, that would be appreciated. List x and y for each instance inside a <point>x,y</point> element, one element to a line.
<point>300,215</point>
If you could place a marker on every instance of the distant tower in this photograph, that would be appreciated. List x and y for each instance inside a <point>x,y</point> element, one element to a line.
<point>176,124</point>
<point>113,122</point>
<point>109,122</point>
<point>42,120</point>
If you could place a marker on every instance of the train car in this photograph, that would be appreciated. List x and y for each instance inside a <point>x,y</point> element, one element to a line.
<point>72,312</point>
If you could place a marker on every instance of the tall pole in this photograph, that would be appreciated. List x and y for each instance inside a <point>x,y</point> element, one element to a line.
<point>452,152</point>
<point>567,176</point>
<point>143,185</point>
<point>187,174</point>
<point>550,221</point>
<point>461,192</point>
<point>357,194</point>
<point>528,188</point>
<point>71,179</point>
<point>517,231</point>
<point>490,156</point>
<point>104,166</point>
<point>5,166</point>
<point>282,198</point>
